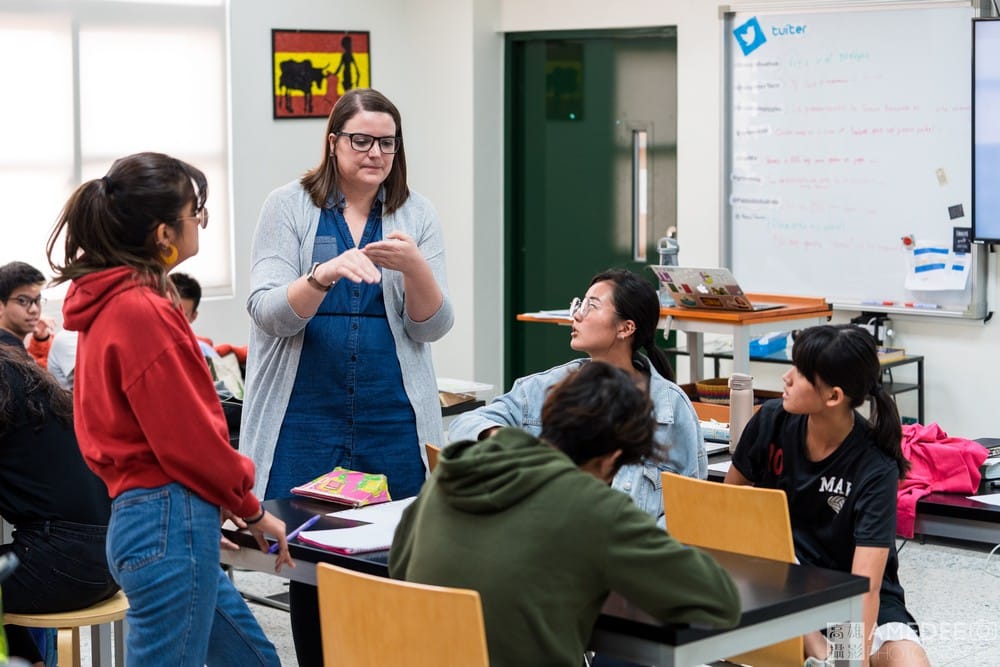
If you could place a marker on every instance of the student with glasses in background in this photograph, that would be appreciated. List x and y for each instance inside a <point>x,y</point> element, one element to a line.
<point>615,322</point>
<point>21,304</point>
<point>347,292</point>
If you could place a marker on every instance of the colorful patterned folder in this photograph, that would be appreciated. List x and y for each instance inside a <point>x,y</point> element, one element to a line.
<point>348,487</point>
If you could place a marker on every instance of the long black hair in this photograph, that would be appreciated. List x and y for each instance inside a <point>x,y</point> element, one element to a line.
<point>845,356</point>
<point>636,300</point>
<point>28,392</point>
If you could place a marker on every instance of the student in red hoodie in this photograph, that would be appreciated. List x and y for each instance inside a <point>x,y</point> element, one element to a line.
<point>147,417</point>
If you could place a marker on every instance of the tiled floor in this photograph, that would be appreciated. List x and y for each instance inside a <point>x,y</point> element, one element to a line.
<point>952,591</point>
<point>955,599</point>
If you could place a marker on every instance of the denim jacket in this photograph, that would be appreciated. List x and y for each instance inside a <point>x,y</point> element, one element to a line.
<point>679,445</point>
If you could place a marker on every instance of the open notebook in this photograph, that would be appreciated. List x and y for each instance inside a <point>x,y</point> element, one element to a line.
<point>375,535</point>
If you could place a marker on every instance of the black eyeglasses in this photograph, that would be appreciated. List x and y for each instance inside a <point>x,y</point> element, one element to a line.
<point>363,142</point>
<point>27,302</point>
<point>201,216</point>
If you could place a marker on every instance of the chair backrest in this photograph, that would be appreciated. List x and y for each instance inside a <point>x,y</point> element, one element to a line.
<point>741,519</point>
<point>432,456</point>
<point>709,411</point>
<point>369,620</point>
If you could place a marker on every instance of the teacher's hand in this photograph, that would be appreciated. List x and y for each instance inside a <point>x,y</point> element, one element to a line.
<point>397,251</point>
<point>352,264</point>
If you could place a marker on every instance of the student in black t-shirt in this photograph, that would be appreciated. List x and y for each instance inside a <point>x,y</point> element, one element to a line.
<point>59,508</point>
<point>840,472</point>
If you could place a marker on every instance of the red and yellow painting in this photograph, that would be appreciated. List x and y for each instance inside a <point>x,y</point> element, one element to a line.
<point>314,68</point>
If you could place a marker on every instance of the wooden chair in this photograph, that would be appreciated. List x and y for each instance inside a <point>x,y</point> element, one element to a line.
<point>432,456</point>
<point>709,411</point>
<point>100,617</point>
<point>741,519</point>
<point>369,620</point>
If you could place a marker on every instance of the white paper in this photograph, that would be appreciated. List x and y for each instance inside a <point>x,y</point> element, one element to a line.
<point>712,448</point>
<point>359,539</point>
<point>389,512</point>
<point>990,499</point>
<point>561,314</point>
<point>453,386</point>
<point>934,267</point>
<point>720,467</point>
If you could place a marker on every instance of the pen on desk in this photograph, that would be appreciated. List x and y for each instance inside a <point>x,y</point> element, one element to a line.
<point>295,533</point>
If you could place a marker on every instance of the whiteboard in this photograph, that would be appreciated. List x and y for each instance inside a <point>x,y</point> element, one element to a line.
<point>847,131</point>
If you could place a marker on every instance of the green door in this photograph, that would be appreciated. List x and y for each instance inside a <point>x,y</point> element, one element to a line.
<point>591,171</point>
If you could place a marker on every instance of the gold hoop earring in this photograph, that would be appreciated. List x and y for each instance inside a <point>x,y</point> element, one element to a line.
<point>169,256</point>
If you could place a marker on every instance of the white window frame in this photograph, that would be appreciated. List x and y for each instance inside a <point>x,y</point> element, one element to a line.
<point>89,15</point>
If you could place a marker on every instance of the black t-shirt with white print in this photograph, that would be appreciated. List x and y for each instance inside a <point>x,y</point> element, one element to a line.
<point>846,500</point>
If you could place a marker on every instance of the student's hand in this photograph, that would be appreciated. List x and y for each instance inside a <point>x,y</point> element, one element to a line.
<point>397,251</point>
<point>272,525</point>
<point>45,327</point>
<point>224,542</point>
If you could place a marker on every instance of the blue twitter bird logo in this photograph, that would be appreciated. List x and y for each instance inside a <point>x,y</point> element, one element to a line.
<point>749,36</point>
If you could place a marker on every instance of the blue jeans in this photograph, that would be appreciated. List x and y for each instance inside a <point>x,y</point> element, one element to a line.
<point>163,550</point>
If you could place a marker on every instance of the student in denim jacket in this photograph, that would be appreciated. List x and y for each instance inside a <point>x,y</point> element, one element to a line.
<point>614,321</point>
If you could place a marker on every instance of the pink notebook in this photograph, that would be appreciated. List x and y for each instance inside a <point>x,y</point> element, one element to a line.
<point>347,487</point>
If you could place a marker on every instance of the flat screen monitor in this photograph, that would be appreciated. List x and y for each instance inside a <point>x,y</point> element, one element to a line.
<point>986,130</point>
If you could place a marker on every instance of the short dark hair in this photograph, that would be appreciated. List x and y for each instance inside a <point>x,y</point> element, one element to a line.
<point>323,181</point>
<point>595,411</point>
<point>18,274</point>
<point>187,287</point>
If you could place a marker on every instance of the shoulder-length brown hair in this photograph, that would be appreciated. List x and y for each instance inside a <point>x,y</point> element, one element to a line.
<point>323,180</point>
<point>109,221</point>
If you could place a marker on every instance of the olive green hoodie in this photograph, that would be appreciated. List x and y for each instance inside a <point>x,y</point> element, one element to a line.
<point>544,543</point>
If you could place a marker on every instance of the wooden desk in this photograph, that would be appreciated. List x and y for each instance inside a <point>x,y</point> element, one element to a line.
<point>780,600</point>
<point>799,311</point>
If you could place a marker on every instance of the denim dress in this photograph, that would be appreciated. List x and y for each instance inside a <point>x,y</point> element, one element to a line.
<point>348,406</point>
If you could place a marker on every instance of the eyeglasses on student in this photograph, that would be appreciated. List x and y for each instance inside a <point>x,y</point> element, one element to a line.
<point>27,302</point>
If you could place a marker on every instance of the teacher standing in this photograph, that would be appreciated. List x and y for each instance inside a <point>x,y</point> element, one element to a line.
<point>347,292</point>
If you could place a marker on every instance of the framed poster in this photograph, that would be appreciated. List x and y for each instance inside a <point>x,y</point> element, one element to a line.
<point>313,68</point>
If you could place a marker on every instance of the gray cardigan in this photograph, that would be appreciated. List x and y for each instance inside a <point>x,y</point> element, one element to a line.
<point>282,251</point>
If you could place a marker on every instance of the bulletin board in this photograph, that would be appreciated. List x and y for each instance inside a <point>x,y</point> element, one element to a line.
<point>848,157</point>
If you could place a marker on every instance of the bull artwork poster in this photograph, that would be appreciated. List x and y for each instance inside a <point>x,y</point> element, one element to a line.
<point>314,68</point>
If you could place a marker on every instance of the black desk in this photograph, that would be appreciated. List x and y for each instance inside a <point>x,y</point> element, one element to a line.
<point>780,600</point>
<point>954,516</point>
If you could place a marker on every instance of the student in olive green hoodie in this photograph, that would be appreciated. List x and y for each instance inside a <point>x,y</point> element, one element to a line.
<point>534,527</point>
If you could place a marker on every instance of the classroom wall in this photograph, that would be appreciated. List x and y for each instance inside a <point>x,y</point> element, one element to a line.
<point>425,57</point>
<point>441,62</point>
